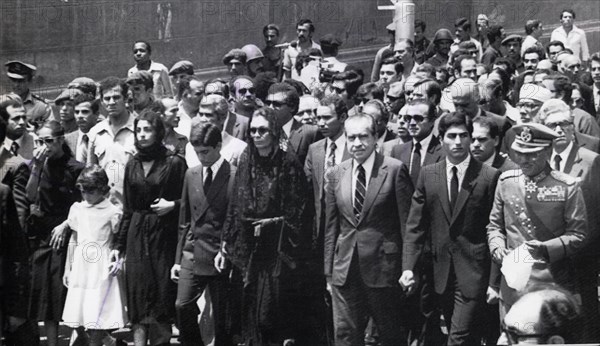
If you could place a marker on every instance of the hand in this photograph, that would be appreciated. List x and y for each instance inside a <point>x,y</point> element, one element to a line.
<point>175,272</point>
<point>492,295</point>
<point>220,262</point>
<point>39,152</point>
<point>66,279</point>
<point>537,250</point>
<point>162,206</point>
<point>407,281</point>
<point>116,262</point>
<point>59,237</point>
<point>499,253</point>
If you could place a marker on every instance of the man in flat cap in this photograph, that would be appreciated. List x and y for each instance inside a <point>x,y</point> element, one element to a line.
<point>20,74</point>
<point>141,88</point>
<point>235,60</point>
<point>511,47</point>
<point>160,77</point>
<point>539,213</point>
<point>179,71</point>
<point>330,45</point>
<point>85,85</point>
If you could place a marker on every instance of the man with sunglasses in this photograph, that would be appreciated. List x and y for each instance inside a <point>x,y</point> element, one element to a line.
<point>244,96</point>
<point>284,99</point>
<point>20,75</point>
<point>539,211</point>
<point>583,164</point>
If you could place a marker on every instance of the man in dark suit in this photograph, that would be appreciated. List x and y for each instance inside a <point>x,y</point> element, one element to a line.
<point>367,202</point>
<point>86,115</point>
<point>583,164</point>
<point>447,207</point>
<point>589,142</point>
<point>18,140</point>
<point>199,260</point>
<point>283,98</point>
<point>425,148</point>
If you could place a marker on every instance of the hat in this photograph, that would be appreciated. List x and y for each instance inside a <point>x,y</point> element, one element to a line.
<point>183,66</point>
<point>141,77</point>
<point>511,38</point>
<point>532,137</point>
<point>482,17</point>
<point>553,106</point>
<point>252,52</point>
<point>330,40</point>
<point>534,92</point>
<point>19,70</point>
<point>236,54</point>
<point>67,94</point>
<point>391,26</point>
<point>441,35</point>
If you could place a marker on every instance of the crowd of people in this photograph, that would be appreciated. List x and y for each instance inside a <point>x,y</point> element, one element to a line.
<point>447,198</point>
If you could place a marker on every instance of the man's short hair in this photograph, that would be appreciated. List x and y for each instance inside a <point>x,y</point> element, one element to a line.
<point>531,25</point>
<point>431,108</point>
<point>217,103</point>
<point>361,116</point>
<point>292,99</point>
<point>340,107</point>
<point>398,67</point>
<point>595,57</point>
<point>489,124</point>
<point>457,65</point>
<point>569,10</point>
<point>555,43</point>
<point>271,26</point>
<point>385,115</point>
<point>370,88</point>
<point>510,65</point>
<point>562,84</point>
<point>458,118</point>
<point>8,100</point>
<point>505,78</point>
<point>433,89</point>
<point>467,45</point>
<point>112,82</point>
<point>352,81</point>
<point>311,26</point>
<point>148,47</point>
<point>535,49</point>
<point>426,68</point>
<point>205,134</point>
<point>463,23</point>
<point>81,98</point>
<point>494,32</point>
<point>420,24</point>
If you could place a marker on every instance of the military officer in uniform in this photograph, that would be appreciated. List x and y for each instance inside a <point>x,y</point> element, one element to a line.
<point>20,74</point>
<point>541,208</point>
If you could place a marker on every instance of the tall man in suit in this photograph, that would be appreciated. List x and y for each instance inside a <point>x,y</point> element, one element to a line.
<point>367,203</point>
<point>284,99</point>
<point>583,164</point>
<point>199,260</point>
<point>447,207</point>
<point>86,116</point>
<point>425,148</point>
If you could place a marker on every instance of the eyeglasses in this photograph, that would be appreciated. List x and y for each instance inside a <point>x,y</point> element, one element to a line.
<point>416,117</point>
<point>275,104</point>
<point>243,91</point>
<point>338,90</point>
<point>562,124</point>
<point>47,140</point>
<point>260,130</point>
<point>393,98</point>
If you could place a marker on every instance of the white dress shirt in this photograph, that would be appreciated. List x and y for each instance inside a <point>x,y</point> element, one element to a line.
<point>81,150</point>
<point>461,171</point>
<point>231,150</point>
<point>563,157</point>
<point>424,146</point>
<point>214,168</point>
<point>340,145</point>
<point>368,166</point>
<point>596,91</point>
<point>575,40</point>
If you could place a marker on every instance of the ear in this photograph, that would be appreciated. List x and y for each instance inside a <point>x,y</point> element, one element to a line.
<point>555,340</point>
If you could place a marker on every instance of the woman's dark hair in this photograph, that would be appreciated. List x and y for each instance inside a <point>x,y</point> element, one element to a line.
<point>3,126</point>
<point>93,177</point>
<point>57,130</point>
<point>270,116</point>
<point>459,118</point>
<point>155,121</point>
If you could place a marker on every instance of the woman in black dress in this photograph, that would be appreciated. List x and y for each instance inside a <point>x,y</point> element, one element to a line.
<point>263,233</point>
<point>50,191</point>
<point>147,237</point>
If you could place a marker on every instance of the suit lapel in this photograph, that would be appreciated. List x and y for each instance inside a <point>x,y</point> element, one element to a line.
<point>405,151</point>
<point>197,183</point>
<point>346,190</point>
<point>443,187</point>
<point>220,179</point>
<point>319,165</point>
<point>346,155</point>
<point>433,151</point>
<point>295,135</point>
<point>466,187</point>
<point>572,159</point>
<point>377,178</point>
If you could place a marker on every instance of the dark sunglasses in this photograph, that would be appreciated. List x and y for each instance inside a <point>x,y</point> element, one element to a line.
<point>261,130</point>
<point>417,118</point>
<point>47,140</point>
<point>275,104</point>
<point>244,91</point>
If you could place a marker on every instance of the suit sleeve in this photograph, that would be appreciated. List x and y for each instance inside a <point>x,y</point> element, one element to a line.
<point>184,219</point>
<point>20,192</point>
<point>332,222</point>
<point>404,192</point>
<point>416,225</point>
<point>496,230</point>
<point>576,230</point>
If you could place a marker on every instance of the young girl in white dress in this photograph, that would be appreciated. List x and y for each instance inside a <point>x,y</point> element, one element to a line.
<point>93,297</point>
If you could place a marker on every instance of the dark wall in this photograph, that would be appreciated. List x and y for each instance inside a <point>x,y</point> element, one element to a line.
<point>94,38</point>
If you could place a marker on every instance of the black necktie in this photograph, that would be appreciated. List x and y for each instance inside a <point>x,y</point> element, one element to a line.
<point>14,148</point>
<point>360,192</point>
<point>557,160</point>
<point>208,179</point>
<point>331,156</point>
<point>85,140</point>
<point>415,162</point>
<point>453,188</point>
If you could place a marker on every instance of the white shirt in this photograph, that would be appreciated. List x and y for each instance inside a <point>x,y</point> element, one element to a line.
<point>287,127</point>
<point>563,157</point>
<point>461,170</point>
<point>231,149</point>
<point>160,77</point>
<point>290,55</point>
<point>529,41</point>
<point>185,121</point>
<point>214,168</point>
<point>490,160</point>
<point>575,40</point>
<point>340,145</point>
<point>424,147</point>
<point>368,166</point>
<point>81,151</point>
<point>596,92</point>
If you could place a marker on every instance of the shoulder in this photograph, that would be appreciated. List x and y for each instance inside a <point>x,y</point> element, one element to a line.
<point>96,129</point>
<point>563,178</point>
<point>316,145</point>
<point>176,160</point>
<point>392,162</point>
<point>511,173</point>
